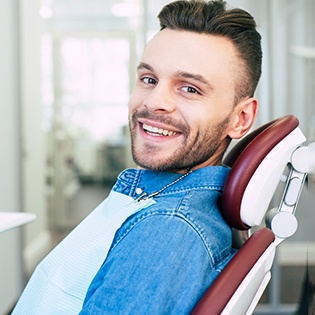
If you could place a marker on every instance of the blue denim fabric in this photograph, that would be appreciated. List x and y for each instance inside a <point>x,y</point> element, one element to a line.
<point>164,257</point>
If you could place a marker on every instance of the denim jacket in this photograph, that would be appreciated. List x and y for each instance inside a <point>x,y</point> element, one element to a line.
<point>164,257</point>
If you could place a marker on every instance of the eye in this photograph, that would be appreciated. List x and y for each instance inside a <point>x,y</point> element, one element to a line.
<point>190,89</point>
<point>148,80</point>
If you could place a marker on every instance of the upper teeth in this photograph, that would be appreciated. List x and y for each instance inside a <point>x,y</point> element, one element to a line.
<point>160,131</point>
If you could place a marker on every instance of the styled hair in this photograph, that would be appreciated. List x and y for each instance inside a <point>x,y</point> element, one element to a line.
<point>214,18</point>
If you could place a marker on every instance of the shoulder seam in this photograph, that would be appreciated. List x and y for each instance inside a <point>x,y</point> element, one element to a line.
<point>166,213</point>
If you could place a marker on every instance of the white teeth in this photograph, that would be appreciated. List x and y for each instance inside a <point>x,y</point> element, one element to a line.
<point>159,131</point>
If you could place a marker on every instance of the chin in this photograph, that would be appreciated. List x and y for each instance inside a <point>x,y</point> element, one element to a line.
<point>147,164</point>
<point>159,166</point>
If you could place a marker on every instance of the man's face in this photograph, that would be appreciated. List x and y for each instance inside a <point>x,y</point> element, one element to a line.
<point>180,109</point>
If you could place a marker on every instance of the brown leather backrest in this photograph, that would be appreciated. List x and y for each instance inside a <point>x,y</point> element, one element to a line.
<point>224,286</point>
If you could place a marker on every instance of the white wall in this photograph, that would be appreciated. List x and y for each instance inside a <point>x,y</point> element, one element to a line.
<point>37,237</point>
<point>21,158</point>
<point>10,170</point>
<point>284,85</point>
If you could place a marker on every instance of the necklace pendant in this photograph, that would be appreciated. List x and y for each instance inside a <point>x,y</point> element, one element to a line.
<point>143,196</point>
<point>146,196</point>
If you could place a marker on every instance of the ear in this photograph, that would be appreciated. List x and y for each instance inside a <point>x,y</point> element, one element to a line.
<point>243,117</point>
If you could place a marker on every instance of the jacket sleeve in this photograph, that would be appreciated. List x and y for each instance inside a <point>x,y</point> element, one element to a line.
<point>161,266</point>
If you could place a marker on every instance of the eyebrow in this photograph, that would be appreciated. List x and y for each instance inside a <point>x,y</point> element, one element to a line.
<point>196,77</point>
<point>182,74</point>
<point>143,65</point>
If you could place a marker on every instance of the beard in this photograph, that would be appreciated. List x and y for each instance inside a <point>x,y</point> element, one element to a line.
<point>191,151</point>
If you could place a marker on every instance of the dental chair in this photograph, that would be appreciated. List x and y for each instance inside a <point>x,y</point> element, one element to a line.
<point>268,155</point>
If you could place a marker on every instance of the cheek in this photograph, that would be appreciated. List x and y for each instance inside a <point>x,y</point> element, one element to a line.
<point>135,100</point>
<point>132,105</point>
<point>202,124</point>
<point>197,119</point>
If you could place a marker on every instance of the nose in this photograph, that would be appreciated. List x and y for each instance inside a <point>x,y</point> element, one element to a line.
<point>160,99</point>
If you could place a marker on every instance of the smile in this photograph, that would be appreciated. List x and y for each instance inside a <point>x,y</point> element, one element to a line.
<point>154,131</point>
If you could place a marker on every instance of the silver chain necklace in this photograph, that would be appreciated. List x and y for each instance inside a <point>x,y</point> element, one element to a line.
<point>145,196</point>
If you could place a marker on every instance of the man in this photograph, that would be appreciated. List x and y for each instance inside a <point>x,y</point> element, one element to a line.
<point>194,93</point>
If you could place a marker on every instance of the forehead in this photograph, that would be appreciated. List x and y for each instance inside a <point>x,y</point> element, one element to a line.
<point>177,50</point>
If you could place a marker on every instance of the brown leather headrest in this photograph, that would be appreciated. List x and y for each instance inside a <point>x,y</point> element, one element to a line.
<point>244,158</point>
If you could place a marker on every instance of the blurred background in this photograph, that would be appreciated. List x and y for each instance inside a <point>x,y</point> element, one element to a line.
<point>67,69</point>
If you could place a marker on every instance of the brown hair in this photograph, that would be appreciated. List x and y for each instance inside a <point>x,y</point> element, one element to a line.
<point>214,18</point>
